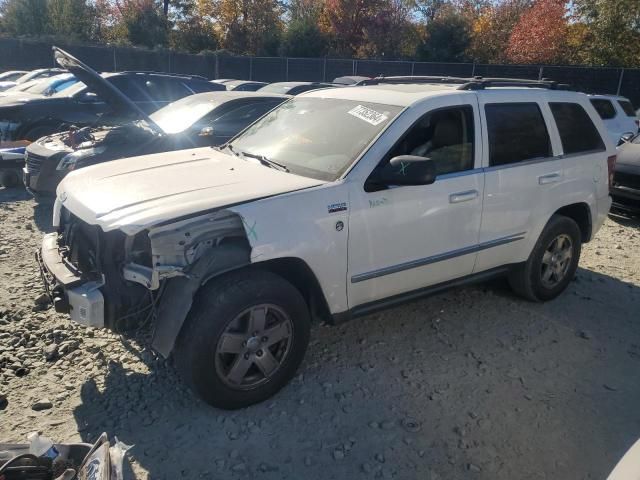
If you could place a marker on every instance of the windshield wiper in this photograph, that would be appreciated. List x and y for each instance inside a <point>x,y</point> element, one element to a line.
<point>265,161</point>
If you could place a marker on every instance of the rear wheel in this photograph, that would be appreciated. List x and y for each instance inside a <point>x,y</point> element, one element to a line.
<point>244,338</point>
<point>552,263</point>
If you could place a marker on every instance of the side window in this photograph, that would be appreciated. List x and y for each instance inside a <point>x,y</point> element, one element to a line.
<point>605,108</point>
<point>577,131</point>
<point>165,89</point>
<point>517,133</point>
<point>445,136</point>
<point>129,87</point>
<point>627,107</point>
<point>237,119</point>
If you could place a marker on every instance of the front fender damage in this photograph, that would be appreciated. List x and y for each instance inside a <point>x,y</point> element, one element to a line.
<point>177,297</point>
<point>184,255</point>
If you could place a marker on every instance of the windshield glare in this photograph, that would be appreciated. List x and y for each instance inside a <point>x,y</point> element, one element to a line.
<point>317,137</point>
<point>180,115</point>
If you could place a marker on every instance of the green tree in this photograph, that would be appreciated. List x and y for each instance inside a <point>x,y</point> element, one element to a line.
<point>246,26</point>
<point>447,37</point>
<point>303,38</point>
<point>24,17</point>
<point>143,23</point>
<point>71,19</point>
<point>612,32</point>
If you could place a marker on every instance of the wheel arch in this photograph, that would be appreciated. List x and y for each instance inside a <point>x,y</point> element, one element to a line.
<point>581,214</point>
<point>179,292</point>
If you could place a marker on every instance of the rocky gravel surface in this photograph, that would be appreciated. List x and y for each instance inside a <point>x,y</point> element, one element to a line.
<point>472,383</point>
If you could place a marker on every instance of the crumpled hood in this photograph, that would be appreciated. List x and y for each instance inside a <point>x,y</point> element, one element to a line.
<point>132,194</point>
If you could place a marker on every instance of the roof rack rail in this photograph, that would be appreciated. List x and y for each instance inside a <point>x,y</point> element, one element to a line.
<point>168,74</point>
<point>414,79</point>
<point>468,83</point>
<point>479,83</point>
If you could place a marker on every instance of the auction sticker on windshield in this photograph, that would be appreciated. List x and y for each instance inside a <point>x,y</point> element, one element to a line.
<point>368,115</point>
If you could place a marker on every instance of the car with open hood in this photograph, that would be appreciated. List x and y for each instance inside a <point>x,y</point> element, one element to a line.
<point>203,119</point>
<point>109,99</point>
<point>335,204</point>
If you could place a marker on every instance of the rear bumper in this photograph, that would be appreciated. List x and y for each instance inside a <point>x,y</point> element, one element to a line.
<point>69,292</point>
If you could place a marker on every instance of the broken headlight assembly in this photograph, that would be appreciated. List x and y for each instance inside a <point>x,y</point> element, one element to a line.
<point>70,160</point>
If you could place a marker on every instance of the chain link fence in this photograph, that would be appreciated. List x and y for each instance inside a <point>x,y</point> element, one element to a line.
<point>22,54</point>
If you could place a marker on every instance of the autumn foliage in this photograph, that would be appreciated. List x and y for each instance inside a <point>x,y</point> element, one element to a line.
<point>596,32</point>
<point>540,36</point>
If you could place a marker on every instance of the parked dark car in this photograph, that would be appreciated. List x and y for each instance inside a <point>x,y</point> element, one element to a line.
<point>88,100</point>
<point>198,120</point>
<point>295,88</point>
<point>625,189</point>
<point>244,85</point>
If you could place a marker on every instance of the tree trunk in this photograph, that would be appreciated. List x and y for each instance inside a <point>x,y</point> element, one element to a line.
<point>166,7</point>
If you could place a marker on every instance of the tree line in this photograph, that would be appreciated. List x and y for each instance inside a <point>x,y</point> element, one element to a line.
<point>581,32</point>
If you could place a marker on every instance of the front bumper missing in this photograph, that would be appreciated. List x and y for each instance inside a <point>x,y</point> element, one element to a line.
<point>68,290</point>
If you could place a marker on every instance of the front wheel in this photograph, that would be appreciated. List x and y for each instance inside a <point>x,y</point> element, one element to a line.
<point>552,263</point>
<point>244,338</point>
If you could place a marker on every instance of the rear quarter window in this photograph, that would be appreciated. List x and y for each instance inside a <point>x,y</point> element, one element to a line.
<point>577,131</point>
<point>517,132</point>
<point>627,107</point>
<point>605,108</point>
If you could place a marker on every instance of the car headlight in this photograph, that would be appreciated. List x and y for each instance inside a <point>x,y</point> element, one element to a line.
<point>69,161</point>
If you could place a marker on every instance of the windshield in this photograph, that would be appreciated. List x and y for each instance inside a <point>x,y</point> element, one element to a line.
<point>178,116</point>
<point>316,137</point>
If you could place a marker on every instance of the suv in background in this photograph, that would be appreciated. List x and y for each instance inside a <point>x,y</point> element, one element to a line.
<point>88,100</point>
<point>336,204</point>
<point>618,115</point>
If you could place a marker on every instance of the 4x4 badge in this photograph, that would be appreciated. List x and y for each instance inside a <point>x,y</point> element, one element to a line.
<point>337,207</point>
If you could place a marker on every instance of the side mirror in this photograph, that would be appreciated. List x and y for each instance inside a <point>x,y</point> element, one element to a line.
<point>406,170</point>
<point>626,138</point>
<point>206,132</point>
<point>88,97</point>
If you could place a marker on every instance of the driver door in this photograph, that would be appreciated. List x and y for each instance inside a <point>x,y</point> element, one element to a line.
<point>404,238</point>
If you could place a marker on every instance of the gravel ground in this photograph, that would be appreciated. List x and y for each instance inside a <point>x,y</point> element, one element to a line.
<point>472,383</point>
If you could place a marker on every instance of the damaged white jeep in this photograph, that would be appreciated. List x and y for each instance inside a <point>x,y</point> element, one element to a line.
<point>337,203</point>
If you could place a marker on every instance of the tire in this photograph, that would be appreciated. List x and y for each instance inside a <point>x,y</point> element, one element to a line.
<point>38,132</point>
<point>9,178</point>
<point>220,319</point>
<point>535,279</point>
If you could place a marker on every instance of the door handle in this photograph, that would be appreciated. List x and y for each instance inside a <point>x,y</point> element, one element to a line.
<point>463,196</point>
<point>547,179</point>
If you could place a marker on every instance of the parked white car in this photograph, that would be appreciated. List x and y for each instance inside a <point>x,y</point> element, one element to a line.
<point>618,115</point>
<point>336,204</point>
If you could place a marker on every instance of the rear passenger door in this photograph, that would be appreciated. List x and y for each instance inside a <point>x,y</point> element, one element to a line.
<point>523,175</point>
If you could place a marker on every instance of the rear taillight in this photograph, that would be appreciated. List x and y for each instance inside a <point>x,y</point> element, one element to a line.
<point>611,166</point>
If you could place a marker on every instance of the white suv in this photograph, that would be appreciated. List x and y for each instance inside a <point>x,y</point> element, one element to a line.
<point>618,115</point>
<point>335,204</point>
